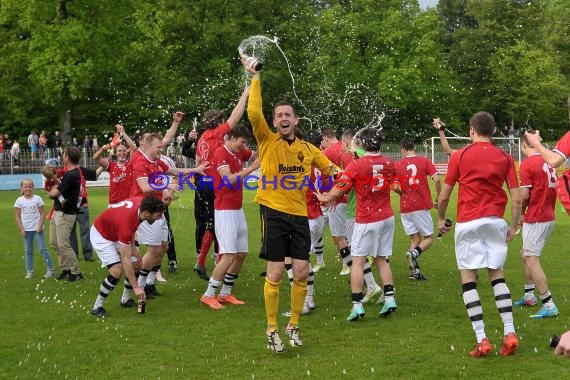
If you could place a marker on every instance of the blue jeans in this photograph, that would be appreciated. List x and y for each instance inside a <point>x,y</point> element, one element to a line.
<point>29,250</point>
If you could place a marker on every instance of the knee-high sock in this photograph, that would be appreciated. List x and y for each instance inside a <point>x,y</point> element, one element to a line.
<point>319,248</point>
<point>474,309</point>
<point>142,277</point>
<point>151,279</point>
<point>271,295</point>
<point>504,304</point>
<point>127,291</point>
<point>229,280</point>
<point>107,287</point>
<point>345,254</point>
<point>298,295</point>
<point>369,276</point>
<point>205,247</point>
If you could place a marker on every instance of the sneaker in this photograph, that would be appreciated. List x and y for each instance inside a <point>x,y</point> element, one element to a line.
<point>129,304</point>
<point>510,344</point>
<point>318,267</point>
<point>481,349</point>
<point>412,256</point>
<point>310,304</point>
<point>526,301</point>
<point>100,312</point>
<point>356,313</point>
<point>172,266</point>
<point>64,275</point>
<point>388,308</point>
<point>49,274</point>
<point>274,342</point>
<point>151,289</point>
<point>201,271</point>
<point>345,270</point>
<point>230,298</point>
<point>293,335</point>
<point>29,275</point>
<point>211,302</point>
<point>306,309</point>
<point>74,277</point>
<point>418,276</point>
<point>371,294</point>
<point>546,312</point>
<point>159,277</point>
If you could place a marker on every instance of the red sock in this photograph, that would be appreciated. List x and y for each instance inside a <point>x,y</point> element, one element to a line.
<point>205,247</point>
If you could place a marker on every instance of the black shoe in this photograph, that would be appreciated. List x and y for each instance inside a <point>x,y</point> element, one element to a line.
<point>172,266</point>
<point>129,304</point>
<point>100,312</point>
<point>64,275</point>
<point>90,259</point>
<point>74,277</point>
<point>419,276</point>
<point>201,271</point>
<point>151,289</point>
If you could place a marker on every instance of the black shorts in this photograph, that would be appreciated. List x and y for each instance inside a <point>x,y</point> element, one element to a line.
<point>284,235</point>
<point>204,206</point>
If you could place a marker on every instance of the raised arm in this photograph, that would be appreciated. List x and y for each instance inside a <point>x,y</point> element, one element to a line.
<point>176,119</point>
<point>125,136</point>
<point>552,158</point>
<point>437,124</point>
<point>239,109</point>
<point>99,159</point>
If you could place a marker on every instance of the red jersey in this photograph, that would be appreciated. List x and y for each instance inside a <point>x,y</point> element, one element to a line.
<point>119,222</point>
<point>540,178</point>
<point>143,167</point>
<point>119,181</point>
<point>313,204</point>
<point>228,196</point>
<point>334,153</point>
<point>371,176</point>
<point>412,173</point>
<point>481,169</point>
<point>211,140</point>
<point>563,146</point>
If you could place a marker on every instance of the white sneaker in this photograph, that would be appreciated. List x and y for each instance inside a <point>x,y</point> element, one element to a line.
<point>371,294</point>
<point>345,270</point>
<point>49,274</point>
<point>29,274</point>
<point>318,267</point>
<point>159,277</point>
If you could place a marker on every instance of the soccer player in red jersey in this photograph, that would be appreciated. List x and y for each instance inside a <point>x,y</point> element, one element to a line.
<point>332,148</point>
<point>538,180</point>
<point>119,173</point>
<point>372,178</point>
<point>555,157</point>
<point>481,234</point>
<point>412,171</point>
<point>112,236</point>
<point>230,223</point>
<point>211,139</point>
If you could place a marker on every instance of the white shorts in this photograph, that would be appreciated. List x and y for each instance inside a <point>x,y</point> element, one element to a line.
<point>481,243</point>
<point>316,228</point>
<point>373,239</point>
<point>535,236</point>
<point>108,251</point>
<point>417,222</point>
<point>349,229</point>
<point>231,231</point>
<point>337,220</point>
<point>153,234</point>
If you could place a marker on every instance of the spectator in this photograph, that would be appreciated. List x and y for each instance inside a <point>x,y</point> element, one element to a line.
<point>94,143</point>
<point>74,142</point>
<point>33,144</point>
<point>15,154</point>
<point>42,145</point>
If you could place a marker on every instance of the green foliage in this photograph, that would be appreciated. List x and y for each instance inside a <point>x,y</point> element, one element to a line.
<point>349,62</point>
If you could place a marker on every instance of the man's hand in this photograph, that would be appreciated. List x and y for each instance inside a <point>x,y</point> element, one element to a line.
<point>563,347</point>
<point>438,124</point>
<point>120,128</point>
<point>534,139</point>
<point>511,233</point>
<point>139,292</point>
<point>442,227</point>
<point>177,116</point>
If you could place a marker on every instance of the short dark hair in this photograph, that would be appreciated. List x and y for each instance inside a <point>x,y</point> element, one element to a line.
<point>73,154</point>
<point>349,133</point>
<point>212,118</point>
<point>283,103</point>
<point>407,144</point>
<point>329,133</point>
<point>239,131</point>
<point>152,204</point>
<point>483,123</point>
<point>370,139</point>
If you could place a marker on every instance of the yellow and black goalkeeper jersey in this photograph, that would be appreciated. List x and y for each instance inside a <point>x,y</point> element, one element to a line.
<point>285,166</point>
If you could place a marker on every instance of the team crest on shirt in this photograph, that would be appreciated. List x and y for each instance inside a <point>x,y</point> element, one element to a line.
<point>300,157</point>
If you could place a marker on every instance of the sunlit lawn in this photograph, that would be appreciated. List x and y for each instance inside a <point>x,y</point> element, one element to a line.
<point>47,331</point>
